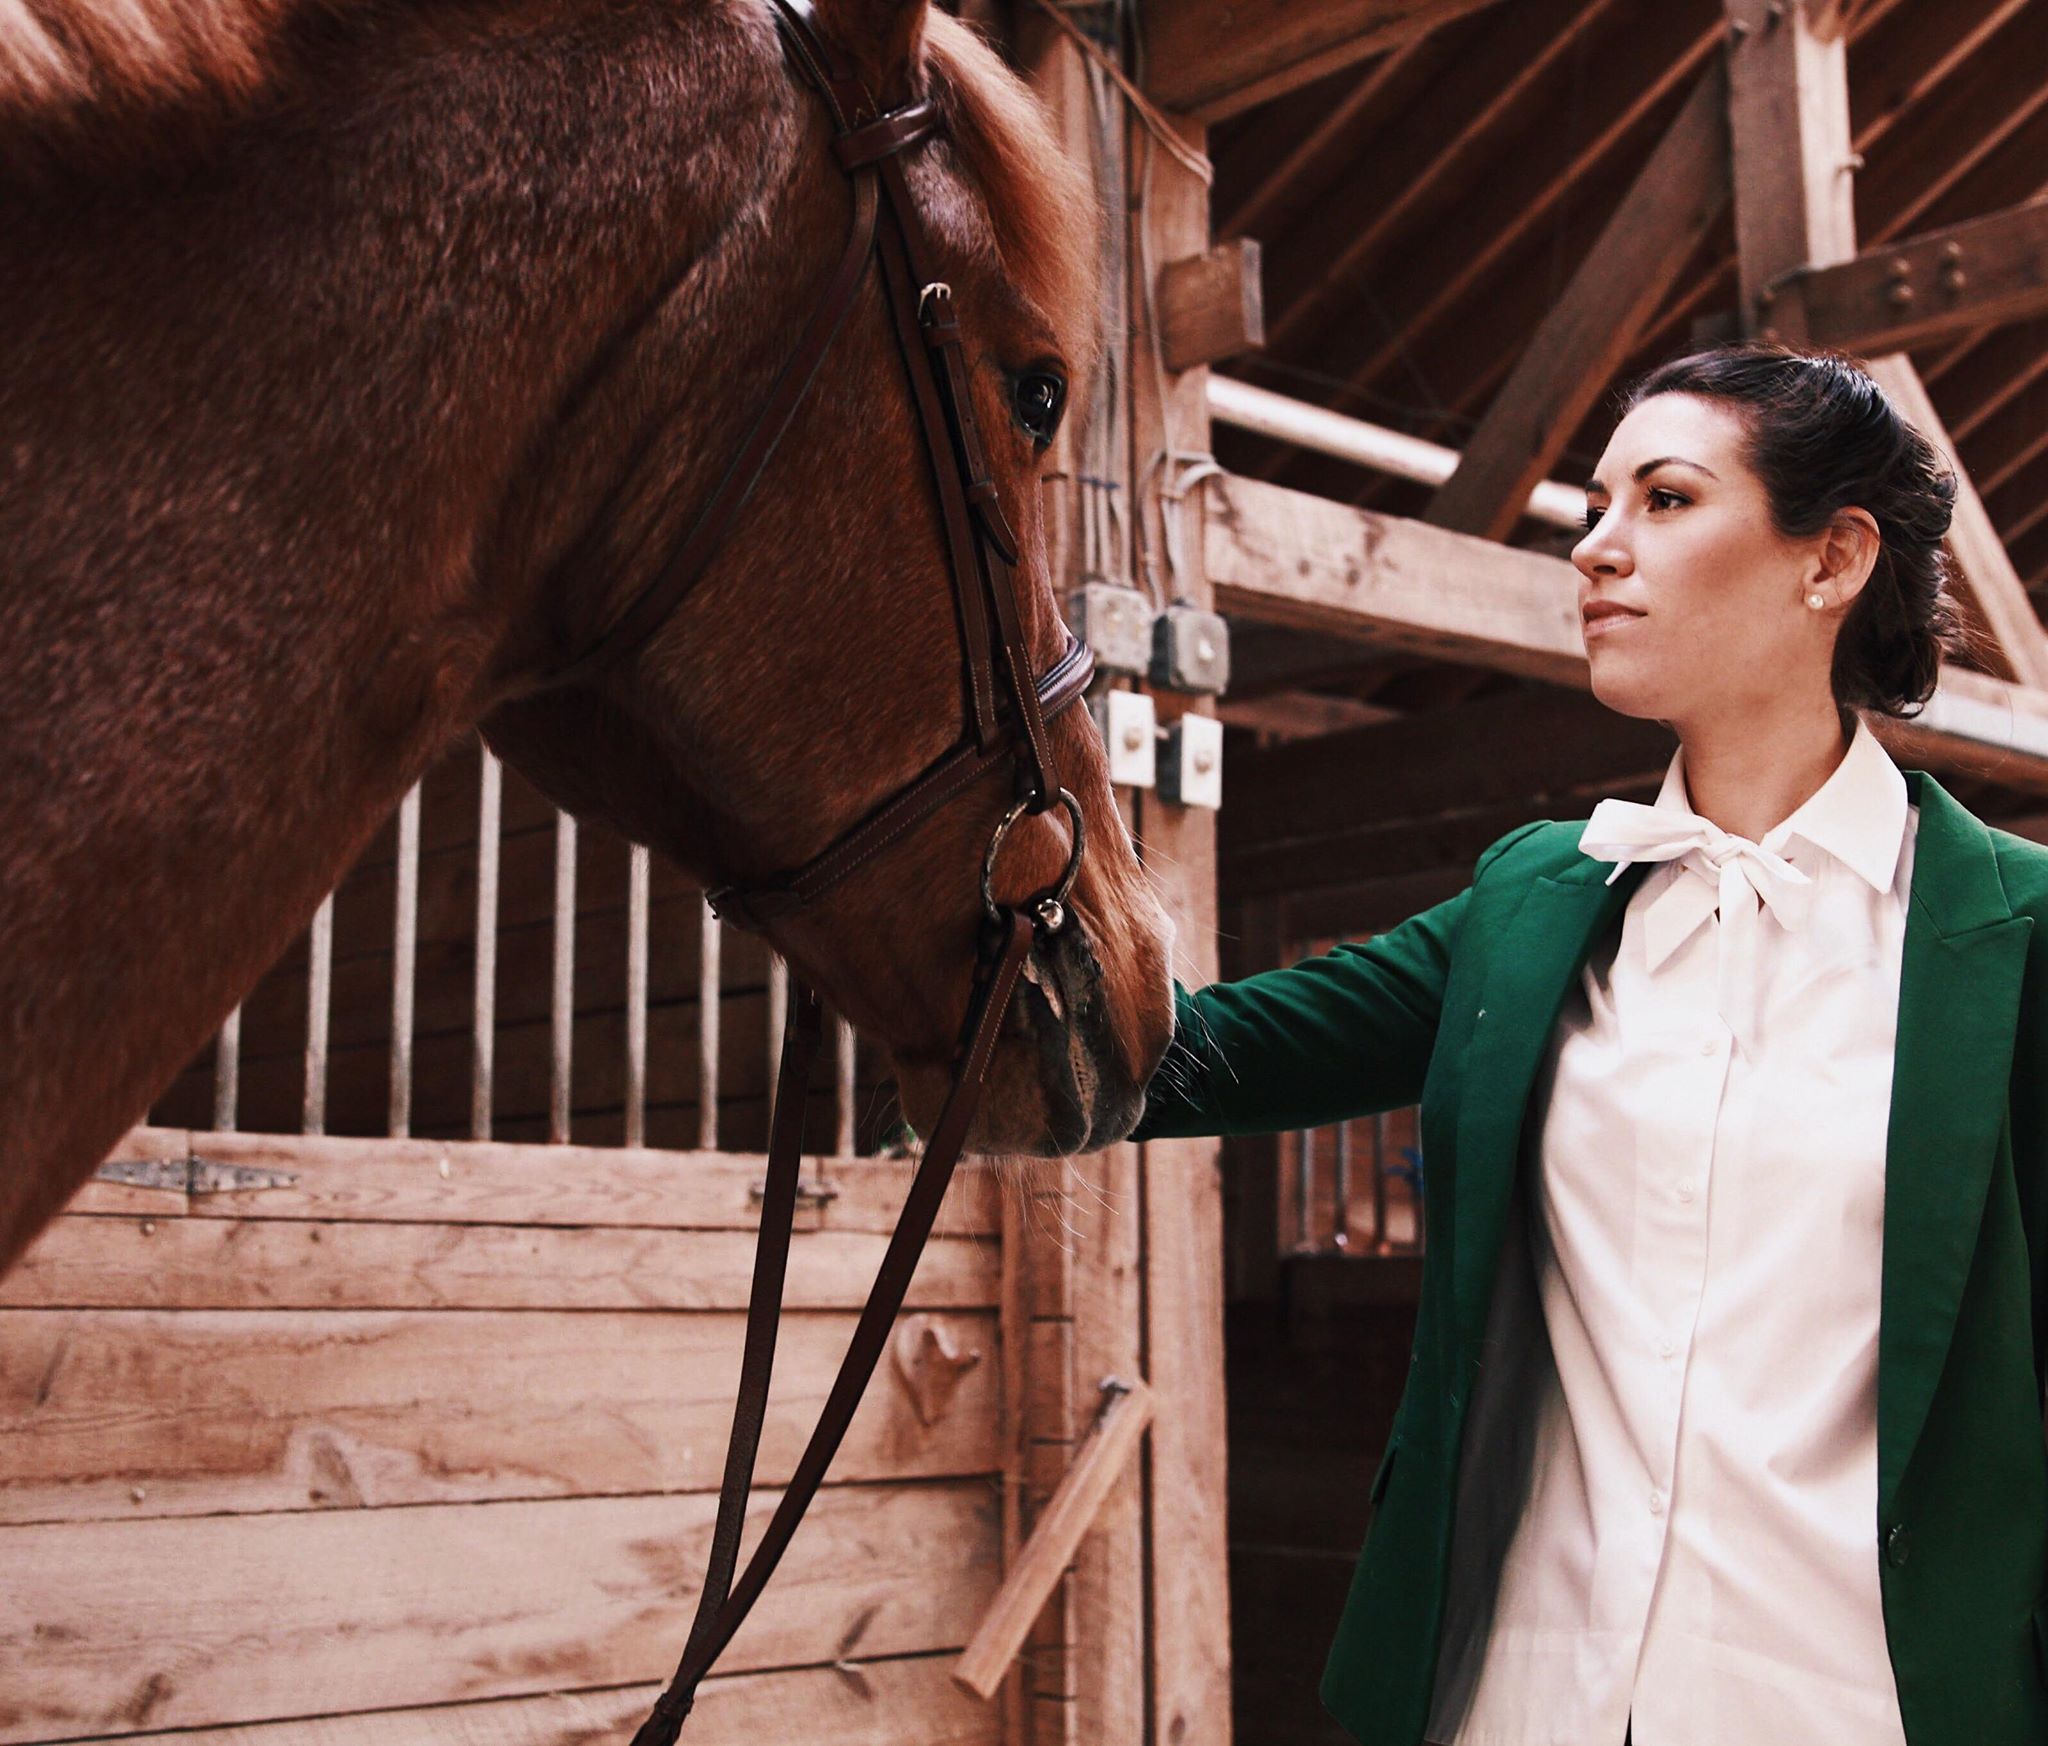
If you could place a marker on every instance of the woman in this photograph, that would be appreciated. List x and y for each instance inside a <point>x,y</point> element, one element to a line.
<point>1724,1421</point>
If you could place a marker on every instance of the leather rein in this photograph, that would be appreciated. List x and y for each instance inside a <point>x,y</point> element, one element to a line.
<point>1007,709</point>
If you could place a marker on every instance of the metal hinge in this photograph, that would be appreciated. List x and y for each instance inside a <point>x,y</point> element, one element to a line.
<point>191,1176</point>
<point>811,1193</point>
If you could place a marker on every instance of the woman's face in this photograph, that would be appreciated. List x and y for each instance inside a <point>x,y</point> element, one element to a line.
<point>1680,535</point>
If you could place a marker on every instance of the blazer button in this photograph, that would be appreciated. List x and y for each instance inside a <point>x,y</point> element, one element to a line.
<point>1897,1544</point>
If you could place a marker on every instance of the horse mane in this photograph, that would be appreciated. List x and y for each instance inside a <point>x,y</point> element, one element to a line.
<point>1041,202</point>
<point>63,62</point>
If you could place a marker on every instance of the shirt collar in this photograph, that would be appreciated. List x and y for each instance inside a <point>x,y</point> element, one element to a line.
<point>1858,814</point>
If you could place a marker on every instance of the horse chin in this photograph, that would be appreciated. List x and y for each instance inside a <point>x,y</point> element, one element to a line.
<point>1055,1086</point>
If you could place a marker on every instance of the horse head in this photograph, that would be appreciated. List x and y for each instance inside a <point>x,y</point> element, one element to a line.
<point>817,666</point>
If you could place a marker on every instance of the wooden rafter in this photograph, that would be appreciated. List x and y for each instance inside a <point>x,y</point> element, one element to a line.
<point>1594,326</point>
<point>1794,209</point>
<point>1424,151</point>
<point>1216,58</point>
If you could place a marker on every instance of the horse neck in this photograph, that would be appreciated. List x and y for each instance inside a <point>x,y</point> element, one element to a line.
<point>266,417</point>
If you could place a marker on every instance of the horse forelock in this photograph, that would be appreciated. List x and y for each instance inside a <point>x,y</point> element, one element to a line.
<point>1040,202</point>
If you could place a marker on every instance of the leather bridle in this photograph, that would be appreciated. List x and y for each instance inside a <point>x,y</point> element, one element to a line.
<point>1007,709</point>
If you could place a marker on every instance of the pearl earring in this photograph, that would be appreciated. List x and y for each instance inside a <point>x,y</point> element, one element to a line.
<point>1816,601</point>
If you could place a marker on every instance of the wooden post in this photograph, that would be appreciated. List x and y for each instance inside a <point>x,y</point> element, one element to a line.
<point>1182,1179</point>
<point>1084,1659</point>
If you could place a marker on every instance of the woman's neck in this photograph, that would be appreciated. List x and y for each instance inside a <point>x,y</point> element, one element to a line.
<point>1750,774</point>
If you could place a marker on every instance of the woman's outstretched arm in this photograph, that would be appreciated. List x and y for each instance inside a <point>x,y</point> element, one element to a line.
<point>1335,1036</point>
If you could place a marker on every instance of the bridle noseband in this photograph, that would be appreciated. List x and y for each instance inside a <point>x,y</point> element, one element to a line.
<point>1007,709</point>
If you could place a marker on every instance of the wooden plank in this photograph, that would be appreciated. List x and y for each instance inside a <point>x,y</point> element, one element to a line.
<point>112,1627</point>
<point>1932,287</point>
<point>1186,1574</point>
<point>1211,305</point>
<point>907,1702</point>
<point>492,1182</point>
<point>1029,1580</point>
<point>1284,557</point>
<point>1594,327</point>
<point>121,1415</point>
<point>102,1262</point>
<point>1210,59</point>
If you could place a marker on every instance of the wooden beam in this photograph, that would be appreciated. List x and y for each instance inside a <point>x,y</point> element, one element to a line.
<point>1591,330</point>
<point>1788,113</point>
<point>1210,59</point>
<point>1979,552</point>
<point>1187,1572</point>
<point>1936,286</point>
<point>1282,557</point>
<point>1211,306</point>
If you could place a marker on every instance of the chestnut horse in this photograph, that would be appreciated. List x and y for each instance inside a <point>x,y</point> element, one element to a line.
<point>332,326</point>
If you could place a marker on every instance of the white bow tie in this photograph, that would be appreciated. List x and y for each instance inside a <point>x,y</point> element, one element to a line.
<point>1736,878</point>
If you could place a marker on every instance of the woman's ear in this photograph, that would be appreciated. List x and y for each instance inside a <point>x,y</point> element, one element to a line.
<point>880,42</point>
<point>1848,554</point>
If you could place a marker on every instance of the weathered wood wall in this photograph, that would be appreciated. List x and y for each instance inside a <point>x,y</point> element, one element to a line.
<point>429,1437</point>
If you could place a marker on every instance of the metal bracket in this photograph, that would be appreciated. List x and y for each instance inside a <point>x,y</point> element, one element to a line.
<point>814,1193</point>
<point>191,1176</point>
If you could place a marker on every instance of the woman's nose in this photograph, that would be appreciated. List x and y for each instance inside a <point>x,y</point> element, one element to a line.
<point>1601,553</point>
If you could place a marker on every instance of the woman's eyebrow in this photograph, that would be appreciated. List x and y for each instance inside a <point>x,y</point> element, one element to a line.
<point>1648,467</point>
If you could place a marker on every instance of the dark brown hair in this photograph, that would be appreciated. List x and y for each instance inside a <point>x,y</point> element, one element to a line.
<point>1824,437</point>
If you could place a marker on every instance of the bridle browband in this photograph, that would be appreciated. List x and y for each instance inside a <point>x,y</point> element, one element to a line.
<point>1007,709</point>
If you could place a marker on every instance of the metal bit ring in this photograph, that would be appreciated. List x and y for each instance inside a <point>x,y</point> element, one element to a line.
<point>1048,906</point>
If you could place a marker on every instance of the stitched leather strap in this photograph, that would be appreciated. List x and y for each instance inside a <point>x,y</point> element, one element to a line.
<point>719,1612</point>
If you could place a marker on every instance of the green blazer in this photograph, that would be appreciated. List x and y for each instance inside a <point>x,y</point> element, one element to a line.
<point>1453,1009</point>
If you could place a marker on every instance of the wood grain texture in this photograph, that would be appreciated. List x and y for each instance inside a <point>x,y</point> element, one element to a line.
<point>491,1182</point>
<point>101,1262</point>
<point>113,1627</point>
<point>1215,58</point>
<point>135,1414</point>
<point>906,1702</point>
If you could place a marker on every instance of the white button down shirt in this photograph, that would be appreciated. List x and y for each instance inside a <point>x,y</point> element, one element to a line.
<point>1689,1531</point>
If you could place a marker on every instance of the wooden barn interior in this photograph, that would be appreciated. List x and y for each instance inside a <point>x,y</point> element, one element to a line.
<point>375,1394</point>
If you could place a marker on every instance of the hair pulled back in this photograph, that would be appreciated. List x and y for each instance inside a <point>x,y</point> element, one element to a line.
<point>1824,437</point>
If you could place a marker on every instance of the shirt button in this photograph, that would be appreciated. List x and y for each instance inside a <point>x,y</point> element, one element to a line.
<point>1667,1348</point>
<point>1710,1046</point>
<point>1656,1503</point>
<point>1685,1189</point>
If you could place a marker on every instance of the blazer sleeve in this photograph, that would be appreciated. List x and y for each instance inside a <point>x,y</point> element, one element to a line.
<point>1344,1034</point>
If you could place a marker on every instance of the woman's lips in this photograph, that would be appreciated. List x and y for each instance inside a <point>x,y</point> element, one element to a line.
<point>1600,620</point>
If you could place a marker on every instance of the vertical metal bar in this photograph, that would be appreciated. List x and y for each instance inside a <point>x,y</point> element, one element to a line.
<point>637,880</point>
<point>405,935</point>
<point>842,1143</point>
<point>484,1032</point>
<point>562,1004</point>
<point>227,1073</point>
<point>1304,1185</point>
<point>709,936</point>
<point>319,983</point>
<point>1340,1235</point>
<point>778,1012</point>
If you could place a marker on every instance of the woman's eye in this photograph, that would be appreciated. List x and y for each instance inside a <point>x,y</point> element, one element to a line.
<point>1593,514</point>
<point>1662,499</point>
<point>1040,397</point>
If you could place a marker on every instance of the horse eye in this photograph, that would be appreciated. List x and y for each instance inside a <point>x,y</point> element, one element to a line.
<point>1040,398</point>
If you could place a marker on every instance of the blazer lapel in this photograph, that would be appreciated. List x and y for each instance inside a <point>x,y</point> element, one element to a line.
<point>1536,958</point>
<point>1959,993</point>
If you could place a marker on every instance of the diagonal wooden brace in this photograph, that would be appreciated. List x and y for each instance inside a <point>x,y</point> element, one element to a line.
<point>1061,1527</point>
